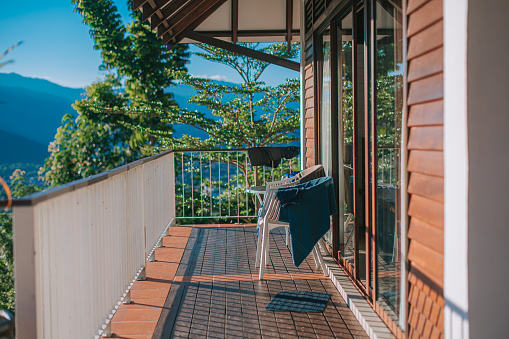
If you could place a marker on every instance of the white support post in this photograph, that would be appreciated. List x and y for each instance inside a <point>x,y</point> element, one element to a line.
<point>25,272</point>
<point>302,89</point>
<point>455,170</point>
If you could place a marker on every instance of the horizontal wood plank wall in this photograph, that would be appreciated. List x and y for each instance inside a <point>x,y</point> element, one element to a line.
<point>309,117</point>
<point>425,169</point>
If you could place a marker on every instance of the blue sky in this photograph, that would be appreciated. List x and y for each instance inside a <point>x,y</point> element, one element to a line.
<point>57,46</point>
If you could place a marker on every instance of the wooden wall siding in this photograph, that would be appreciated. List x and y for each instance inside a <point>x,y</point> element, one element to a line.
<point>309,116</point>
<point>426,306</point>
<point>425,168</point>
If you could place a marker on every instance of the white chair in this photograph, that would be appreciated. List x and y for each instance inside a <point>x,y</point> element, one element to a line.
<point>270,194</point>
<point>269,217</point>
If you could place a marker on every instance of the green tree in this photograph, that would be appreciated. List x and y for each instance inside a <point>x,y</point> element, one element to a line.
<point>19,187</point>
<point>246,115</point>
<point>140,70</point>
<point>138,57</point>
<point>85,145</point>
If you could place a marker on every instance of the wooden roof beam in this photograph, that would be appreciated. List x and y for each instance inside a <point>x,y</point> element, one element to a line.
<point>195,24</point>
<point>138,3</point>
<point>289,24</point>
<point>178,15</point>
<point>197,14</point>
<point>241,50</point>
<point>169,10</point>
<point>235,21</point>
<point>148,9</point>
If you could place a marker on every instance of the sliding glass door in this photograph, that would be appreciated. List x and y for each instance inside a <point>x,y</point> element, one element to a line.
<point>386,141</point>
<point>360,83</point>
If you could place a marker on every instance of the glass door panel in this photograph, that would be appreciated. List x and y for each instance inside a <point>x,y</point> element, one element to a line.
<point>387,149</point>
<point>346,140</point>
<point>325,112</point>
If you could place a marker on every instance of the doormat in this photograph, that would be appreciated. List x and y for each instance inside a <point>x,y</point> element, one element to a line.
<point>298,301</point>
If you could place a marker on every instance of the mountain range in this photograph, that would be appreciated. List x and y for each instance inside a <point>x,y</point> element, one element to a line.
<point>31,111</point>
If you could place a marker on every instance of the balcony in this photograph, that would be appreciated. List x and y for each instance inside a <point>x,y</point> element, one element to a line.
<point>116,255</point>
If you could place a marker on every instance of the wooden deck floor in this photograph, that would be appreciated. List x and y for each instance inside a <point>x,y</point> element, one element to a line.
<point>215,291</point>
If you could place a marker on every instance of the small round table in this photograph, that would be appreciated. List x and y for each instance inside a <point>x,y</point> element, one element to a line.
<point>258,190</point>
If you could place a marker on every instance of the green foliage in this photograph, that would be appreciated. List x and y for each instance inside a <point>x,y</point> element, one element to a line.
<point>140,69</point>
<point>7,293</point>
<point>85,146</point>
<point>133,50</point>
<point>19,187</point>
<point>247,115</point>
<point>138,57</point>
<point>212,184</point>
<point>31,170</point>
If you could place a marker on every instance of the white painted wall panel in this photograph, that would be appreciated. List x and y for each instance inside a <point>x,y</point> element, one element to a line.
<point>88,246</point>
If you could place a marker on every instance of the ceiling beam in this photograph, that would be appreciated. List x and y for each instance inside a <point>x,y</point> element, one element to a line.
<point>289,24</point>
<point>148,10</point>
<point>178,16</point>
<point>251,33</point>
<point>198,15</point>
<point>138,3</point>
<point>182,17</point>
<point>167,12</point>
<point>235,20</point>
<point>242,50</point>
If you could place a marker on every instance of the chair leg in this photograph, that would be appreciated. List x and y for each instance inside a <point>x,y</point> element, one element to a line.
<point>267,246</point>
<point>287,236</point>
<point>314,257</point>
<point>320,260</point>
<point>259,245</point>
<point>263,255</point>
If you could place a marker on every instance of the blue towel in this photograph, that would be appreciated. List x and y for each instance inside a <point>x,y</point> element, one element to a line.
<point>307,208</point>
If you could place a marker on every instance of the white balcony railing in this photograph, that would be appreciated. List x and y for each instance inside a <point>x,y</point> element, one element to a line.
<point>79,247</point>
<point>211,184</point>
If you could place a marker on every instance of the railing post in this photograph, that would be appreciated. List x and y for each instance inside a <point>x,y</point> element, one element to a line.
<point>172,186</point>
<point>25,281</point>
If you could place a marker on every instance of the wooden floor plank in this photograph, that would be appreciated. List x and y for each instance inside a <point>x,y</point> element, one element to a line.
<point>216,293</point>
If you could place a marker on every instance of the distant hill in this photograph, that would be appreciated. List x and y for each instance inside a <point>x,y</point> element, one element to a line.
<point>32,114</point>
<point>40,85</point>
<point>17,149</point>
<point>31,110</point>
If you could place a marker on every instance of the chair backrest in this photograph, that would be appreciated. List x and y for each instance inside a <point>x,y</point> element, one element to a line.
<point>271,189</point>
<point>271,204</point>
<point>311,173</point>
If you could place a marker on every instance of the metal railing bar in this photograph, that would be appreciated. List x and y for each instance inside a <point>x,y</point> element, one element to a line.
<point>223,217</point>
<point>210,180</point>
<point>219,183</point>
<point>228,182</point>
<point>237,188</point>
<point>201,183</point>
<point>245,174</point>
<point>241,196</point>
<point>183,186</point>
<point>192,184</point>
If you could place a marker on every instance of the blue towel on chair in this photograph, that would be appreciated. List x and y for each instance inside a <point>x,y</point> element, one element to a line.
<point>307,208</point>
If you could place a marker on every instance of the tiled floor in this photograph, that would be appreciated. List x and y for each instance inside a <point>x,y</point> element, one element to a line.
<point>215,291</point>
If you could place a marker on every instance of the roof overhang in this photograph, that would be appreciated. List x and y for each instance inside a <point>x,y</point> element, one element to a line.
<point>257,21</point>
<point>229,20</point>
<point>223,23</point>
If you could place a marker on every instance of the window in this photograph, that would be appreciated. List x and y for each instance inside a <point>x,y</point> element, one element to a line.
<point>360,107</point>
